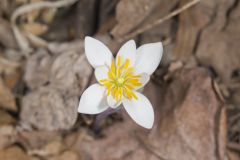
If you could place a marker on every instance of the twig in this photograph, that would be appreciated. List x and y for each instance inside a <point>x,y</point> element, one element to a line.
<point>39,5</point>
<point>21,40</point>
<point>159,21</point>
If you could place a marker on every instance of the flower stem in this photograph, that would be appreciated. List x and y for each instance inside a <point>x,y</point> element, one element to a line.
<point>100,117</point>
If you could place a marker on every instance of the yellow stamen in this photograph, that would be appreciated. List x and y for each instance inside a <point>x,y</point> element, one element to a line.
<point>118,61</point>
<point>121,80</point>
<point>126,64</point>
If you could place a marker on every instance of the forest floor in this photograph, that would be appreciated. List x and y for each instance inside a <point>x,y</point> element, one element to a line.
<point>195,91</point>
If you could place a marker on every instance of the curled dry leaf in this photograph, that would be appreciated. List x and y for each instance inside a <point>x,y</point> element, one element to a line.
<point>57,81</point>
<point>219,42</point>
<point>49,109</point>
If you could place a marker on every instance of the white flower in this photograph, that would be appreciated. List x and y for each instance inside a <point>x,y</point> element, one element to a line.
<point>120,79</point>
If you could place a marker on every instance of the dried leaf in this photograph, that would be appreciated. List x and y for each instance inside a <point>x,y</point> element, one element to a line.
<point>217,40</point>
<point>35,28</point>
<point>7,136</point>
<point>162,31</point>
<point>7,100</point>
<point>14,153</point>
<point>33,140</point>
<point>7,38</point>
<point>58,80</point>
<point>6,119</point>
<point>10,71</point>
<point>69,155</point>
<point>138,9</point>
<point>37,69</point>
<point>233,156</point>
<point>191,22</point>
<point>51,149</point>
<point>48,15</point>
<point>49,109</point>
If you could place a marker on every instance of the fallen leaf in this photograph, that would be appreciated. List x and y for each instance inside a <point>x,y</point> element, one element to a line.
<point>233,155</point>
<point>191,119</point>
<point>37,69</point>
<point>138,10</point>
<point>51,149</point>
<point>7,38</point>
<point>58,80</point>
<point>14,153</point>
<point>69,155</point>
<point>48,109</point>
<point>7,100</point>
<point>219,38</point>
<point>191,22</point>
<point>48,15</point>
<point>35,28</point>
<point>35,140</point>
<point>7,136</point>
<point>163,31</point>
<point>73,75</point>
<point>10,71</point>
<point>6,118</point>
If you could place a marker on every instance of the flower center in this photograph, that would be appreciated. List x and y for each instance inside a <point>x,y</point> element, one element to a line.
<point>121,80</point>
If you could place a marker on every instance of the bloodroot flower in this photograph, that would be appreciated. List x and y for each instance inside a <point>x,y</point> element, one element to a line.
<point>119,80</point>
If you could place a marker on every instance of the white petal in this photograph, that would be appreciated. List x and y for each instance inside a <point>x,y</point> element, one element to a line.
<point>93,100</point>
<point>101,73</point>
<point>97,53</point>
<point>112,102</point>
<point>140,110</point>
<point>144,79</point>
<point>128,51</point>
<point>148,57</point>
